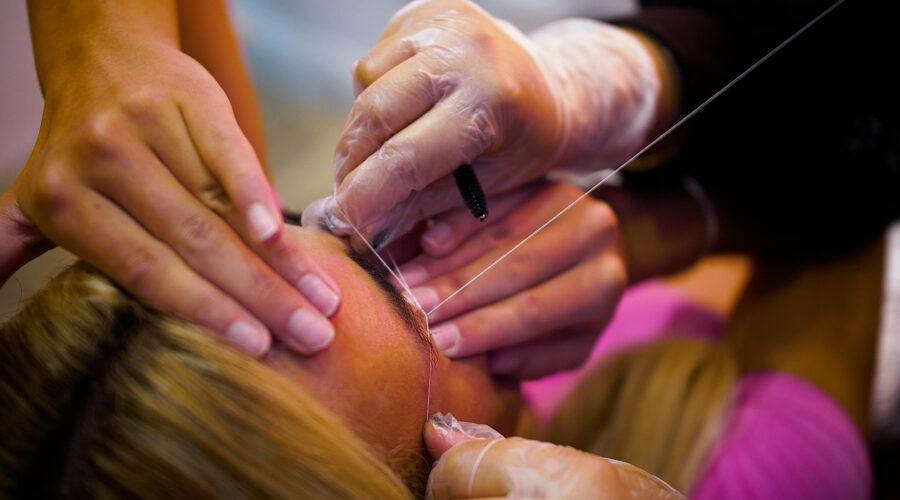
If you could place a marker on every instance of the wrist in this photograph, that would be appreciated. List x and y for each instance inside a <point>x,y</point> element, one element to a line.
<point>668,105</point>
<point>664,229</point>
<point>606,87</point>
<point>73,40</point>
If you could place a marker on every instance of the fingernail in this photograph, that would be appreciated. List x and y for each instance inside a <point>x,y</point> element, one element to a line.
<point>261,221</point>
<point>445,336</point>
<point>414,275</point>
<point>426,297</point>
<point>504,365</point>
<point>321,295</point>
<point>247,338</point>
<point>437,236</point>
<point>310,330</point>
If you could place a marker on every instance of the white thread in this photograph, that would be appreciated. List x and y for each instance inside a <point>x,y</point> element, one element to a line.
<point>431,356</point>
<point>399,277</point>
<point>477,463</point>
<point>662,136</point>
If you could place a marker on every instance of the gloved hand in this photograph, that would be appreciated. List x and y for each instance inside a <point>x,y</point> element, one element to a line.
<point>447,84</point>
<point>540,309</point>
<point>141,169</point>
<point>477,462</point>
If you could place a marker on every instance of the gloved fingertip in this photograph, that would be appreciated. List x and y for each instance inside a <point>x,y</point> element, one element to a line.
<point>440,436</point>
<point>325,215</point>
<point>443,431</point>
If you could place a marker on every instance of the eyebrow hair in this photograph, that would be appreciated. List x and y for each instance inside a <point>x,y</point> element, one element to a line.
<point>411,316</point>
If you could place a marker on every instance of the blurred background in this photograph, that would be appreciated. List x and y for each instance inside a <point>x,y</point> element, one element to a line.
<point>300,53</point>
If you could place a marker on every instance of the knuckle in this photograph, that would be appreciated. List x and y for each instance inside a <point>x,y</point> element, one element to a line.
<point>50,188</point>
<point>598,214</point>
<point>211,311</point>
<point>617,273</point>
<point>451,282</point>
<point>529,308</point>
<point>403,158</point>
<point>522,262</point>
<point>146,104</point>
<point>285,256</point>
<point>267,287</point>
<point>495,236</point>
<point>212,194</point>
<point>141,266</point>
<point>199,233</point>
<point>362,70</point>
<point>103,132</point>
<point>606,280</point>
<point>368,105</point>
<point>481,131</point>
<point>599,220</point>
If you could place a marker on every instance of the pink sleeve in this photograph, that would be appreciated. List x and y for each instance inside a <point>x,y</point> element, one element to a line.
<point>787,439</point>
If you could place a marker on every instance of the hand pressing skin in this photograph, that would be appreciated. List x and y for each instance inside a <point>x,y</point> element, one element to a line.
<point>474,461</point>
<point>448,84</point>
<point>141,169</point>
<point>540,309</point>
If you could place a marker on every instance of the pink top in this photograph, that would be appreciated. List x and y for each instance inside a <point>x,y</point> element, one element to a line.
<point>648,311</point>
<point>786,438</point>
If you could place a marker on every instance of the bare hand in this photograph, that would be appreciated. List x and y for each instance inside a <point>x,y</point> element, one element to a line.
<point>541,308</point>
<point>141,169</point>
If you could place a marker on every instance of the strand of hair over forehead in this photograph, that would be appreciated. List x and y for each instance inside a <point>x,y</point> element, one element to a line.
<point>394,271</point>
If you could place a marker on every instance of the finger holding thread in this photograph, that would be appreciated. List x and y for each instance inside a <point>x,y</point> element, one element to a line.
<point>538,260</point>
<point>584,293</point>
<point>517,215</point>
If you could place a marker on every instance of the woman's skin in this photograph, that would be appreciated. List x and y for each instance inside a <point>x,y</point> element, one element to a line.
<point>376,372</point>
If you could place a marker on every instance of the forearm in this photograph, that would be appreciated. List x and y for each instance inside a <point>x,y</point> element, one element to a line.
<point>66,36</point>
<point>207,36</point>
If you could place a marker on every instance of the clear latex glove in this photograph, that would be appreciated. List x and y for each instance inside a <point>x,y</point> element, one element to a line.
<point>477,463</point>
<point>447,84</point>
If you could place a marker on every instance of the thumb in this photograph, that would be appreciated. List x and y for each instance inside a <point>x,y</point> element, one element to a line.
<point>443,431</point>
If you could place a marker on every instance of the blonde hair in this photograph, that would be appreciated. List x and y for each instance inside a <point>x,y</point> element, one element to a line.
<point>103,397</point>
<point>659,407</point>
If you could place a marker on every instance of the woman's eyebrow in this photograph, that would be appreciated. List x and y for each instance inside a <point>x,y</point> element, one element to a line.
<point>411,316</point>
